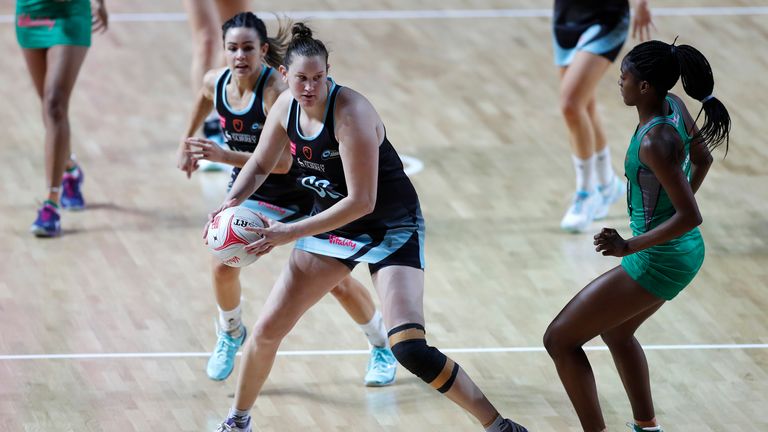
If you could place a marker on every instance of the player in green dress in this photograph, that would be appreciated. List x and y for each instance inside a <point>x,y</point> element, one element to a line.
<point>666,163</point>
<point>54,36</point>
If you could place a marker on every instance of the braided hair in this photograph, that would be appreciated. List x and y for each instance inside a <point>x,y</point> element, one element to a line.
<point>662,64</point>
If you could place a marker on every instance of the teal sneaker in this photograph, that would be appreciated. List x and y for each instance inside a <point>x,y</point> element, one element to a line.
<point>222,360</point>
<point>636,428</point>
<point>381,367</point>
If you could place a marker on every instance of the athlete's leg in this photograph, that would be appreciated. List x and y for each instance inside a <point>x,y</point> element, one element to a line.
<point>36,65</point>
<point>226,285</point>
<point>577,91</point>
<point>401,291</point>
<point>205,24</point>
<point>577,88</point>
<point>229,8</point>
<point>355,299</point>
<point>63,64</point>
<point>630,361</point>
<point>303,282</point>
<point>607,302</point>
<point>597,124</point>
<point>230,332</point>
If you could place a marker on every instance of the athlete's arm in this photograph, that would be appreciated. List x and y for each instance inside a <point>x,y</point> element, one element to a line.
<point>99,17</point>
<point>274,88</point>
<point>203,105</point>
<point>658,152</point>
<point>356,131</point>
<point>269,152</point>
<point>701,159</point>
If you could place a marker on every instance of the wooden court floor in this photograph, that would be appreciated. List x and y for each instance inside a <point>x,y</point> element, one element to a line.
<point>124,295</point>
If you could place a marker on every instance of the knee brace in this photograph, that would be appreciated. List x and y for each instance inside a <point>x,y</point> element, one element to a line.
<point>409,345</point>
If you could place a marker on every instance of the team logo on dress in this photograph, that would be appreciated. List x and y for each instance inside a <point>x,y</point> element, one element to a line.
<point>238,125</point>
<point>322,187</point>
<point>329,154</point>
<point>307,152</point>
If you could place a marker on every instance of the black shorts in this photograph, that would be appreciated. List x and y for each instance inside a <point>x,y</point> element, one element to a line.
<point>604,36</point>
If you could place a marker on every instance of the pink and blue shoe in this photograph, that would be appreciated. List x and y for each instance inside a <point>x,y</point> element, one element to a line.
<point>48,222</point>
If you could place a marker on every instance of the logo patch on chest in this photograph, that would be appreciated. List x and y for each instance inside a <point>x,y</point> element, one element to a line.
<point>329,154</point>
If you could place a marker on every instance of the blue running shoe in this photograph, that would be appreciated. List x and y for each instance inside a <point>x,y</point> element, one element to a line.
<point>48,222</point>
<point>381,367</point>
<point>222,359</point>
<point>71,195</point>
<point>230,425</point>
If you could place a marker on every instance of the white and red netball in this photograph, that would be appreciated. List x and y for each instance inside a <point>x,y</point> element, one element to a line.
<point>227,235</point>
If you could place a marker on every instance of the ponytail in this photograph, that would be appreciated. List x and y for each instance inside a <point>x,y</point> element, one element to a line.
<point>698,83</point>
<point>662,64</point>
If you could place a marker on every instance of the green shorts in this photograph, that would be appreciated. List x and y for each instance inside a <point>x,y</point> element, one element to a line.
<point>56,25</point>
<point>664,270</point>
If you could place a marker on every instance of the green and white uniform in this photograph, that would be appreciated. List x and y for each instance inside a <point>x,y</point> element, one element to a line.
<point>664,269</point>
<point>45,23</point>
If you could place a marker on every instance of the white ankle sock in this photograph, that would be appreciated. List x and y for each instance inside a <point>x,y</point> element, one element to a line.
<point>603,167</point>
<point>230,321</point>
<point>584,171</point>
<point>375,331</point>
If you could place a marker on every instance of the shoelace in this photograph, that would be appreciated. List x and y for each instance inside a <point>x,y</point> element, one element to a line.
<point>225,346</point>
<point>578,201</point>
<point>224,428</point>
<point>380,360</point>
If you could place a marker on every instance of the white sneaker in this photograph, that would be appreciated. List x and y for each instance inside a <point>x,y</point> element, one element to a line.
<point>581,212</point>
<point>609,195</point>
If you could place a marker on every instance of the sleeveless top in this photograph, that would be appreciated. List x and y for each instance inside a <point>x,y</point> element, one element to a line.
<point>648,204</point>
<point>242,130</point>
<point>323,172</point>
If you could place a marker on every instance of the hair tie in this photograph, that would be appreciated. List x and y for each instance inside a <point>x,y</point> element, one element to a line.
<point>707,98</point>
<point>674,48</point>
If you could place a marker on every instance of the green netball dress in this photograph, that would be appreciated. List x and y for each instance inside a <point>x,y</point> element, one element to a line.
<point>45,23</point>
<point>664,269</point>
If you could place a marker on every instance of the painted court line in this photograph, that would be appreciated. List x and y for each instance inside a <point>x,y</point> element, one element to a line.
<point>311,353</point>
<point>430,14</point>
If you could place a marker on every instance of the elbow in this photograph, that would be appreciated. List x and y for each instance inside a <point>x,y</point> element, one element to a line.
<point>367,207</point>
<point>364,205</point>
<point>695,220</point>
<point>282,168</point>
<point>698,220</point>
